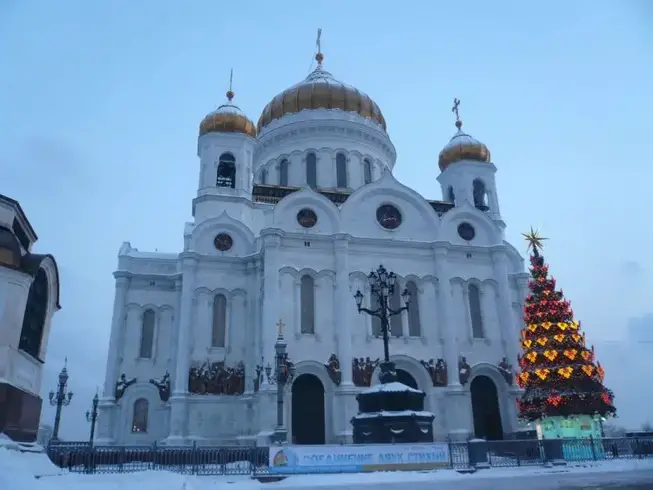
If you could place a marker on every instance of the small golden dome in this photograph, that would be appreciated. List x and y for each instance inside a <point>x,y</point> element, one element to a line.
<point>228,118</point>
<point>321,91</point>
<point>462,147</point>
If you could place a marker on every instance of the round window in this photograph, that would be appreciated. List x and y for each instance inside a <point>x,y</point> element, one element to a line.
<point>223,242</point>
<point>388,216</point>
<point>307,218</point>
<point>466,231</point>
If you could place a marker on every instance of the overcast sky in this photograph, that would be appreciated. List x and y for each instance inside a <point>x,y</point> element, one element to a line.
<point>100,104</point>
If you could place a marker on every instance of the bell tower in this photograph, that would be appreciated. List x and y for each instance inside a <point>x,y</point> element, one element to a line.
<point>225,147</point>
<point>467,172</point>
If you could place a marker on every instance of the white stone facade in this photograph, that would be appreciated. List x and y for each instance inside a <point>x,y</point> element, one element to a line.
<point>260,278</point>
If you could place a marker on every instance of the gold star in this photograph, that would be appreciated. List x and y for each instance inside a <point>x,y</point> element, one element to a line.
<point>534,239</point>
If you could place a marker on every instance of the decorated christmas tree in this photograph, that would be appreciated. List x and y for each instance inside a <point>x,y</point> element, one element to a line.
<point>562,381</point>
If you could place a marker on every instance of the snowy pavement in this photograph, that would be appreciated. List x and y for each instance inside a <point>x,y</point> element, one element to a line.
<point>34,471</point>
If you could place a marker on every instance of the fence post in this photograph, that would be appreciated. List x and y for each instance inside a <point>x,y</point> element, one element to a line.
<point>593,448</point>
<point>153,461</point>
<point>193,458</point>
<point>450,453</point>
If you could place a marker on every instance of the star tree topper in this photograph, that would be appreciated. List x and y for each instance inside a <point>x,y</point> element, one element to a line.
<point>534,240</point>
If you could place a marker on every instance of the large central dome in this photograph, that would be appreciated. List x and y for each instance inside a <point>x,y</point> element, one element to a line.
<point>320,90</point>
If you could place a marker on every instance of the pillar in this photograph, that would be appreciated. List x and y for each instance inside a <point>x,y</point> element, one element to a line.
<point>504,307</point>
<point>179,399</point>
<point>343,304</point>
<point>444,304</point>
<point>116,337</point>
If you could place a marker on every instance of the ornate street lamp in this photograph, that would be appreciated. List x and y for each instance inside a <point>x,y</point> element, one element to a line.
<point>61,398</point>
<point>91,416</point>
<point>382,285</point>
<point>284,372</point>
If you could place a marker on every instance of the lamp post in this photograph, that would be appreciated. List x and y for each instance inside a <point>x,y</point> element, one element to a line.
<point>61,398</point>
<point>283,374</point>
<point>382,285</point>
<point>91,416</point>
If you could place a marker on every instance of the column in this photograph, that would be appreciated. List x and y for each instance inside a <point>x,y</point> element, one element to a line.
<point>251,312</point>
<point>297,307</point>
<point>504,307</point>
<point>117,327</point>
<point>343,304</point>
<point>271,242</point>
<point>178,406</point>
<point>450,325</point>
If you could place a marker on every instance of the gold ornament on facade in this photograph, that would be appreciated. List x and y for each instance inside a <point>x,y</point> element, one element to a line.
<point>462,146</point>
<point>228,118</point>
<point>320,90</point>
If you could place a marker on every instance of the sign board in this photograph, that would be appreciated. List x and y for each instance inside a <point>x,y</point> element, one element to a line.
<point>358,458</point>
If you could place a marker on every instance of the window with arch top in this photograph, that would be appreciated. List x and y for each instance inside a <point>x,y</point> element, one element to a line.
<point>311,170</point>
<point>414,326</point>
<point>396,327</point>
<point>219,326</point>
<point>367,171</point>
<point>264,176</point>
<point>451,196</point>
<point>283,172</point>
<point>147,334</point>
<point>31,333</point>
<point>226,171</point>
<point>139,417</point>
<point>475,312</point>
<point>307,301</point>
<point>480,194</point>
<point>341,170</point>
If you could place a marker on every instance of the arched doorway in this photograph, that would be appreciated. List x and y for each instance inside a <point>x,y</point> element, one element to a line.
<point>308,418</point>
<point>485,409</point>
<point>406,378</point>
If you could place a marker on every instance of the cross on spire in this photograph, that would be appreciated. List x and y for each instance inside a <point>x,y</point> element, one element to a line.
<point>280,326</point>
<point>230,93</point>
<point>455,110</point>
<point>318,43</point>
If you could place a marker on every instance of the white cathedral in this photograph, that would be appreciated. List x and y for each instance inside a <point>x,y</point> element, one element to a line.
<point>291,215</point>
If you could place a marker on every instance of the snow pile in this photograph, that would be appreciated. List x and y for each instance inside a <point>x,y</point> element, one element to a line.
<point>390,387</point>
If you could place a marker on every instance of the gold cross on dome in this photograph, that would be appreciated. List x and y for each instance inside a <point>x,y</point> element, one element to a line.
<point>318,42</point>
<point>534,239</point>
<point>454,109</point>
<point>280,326</point>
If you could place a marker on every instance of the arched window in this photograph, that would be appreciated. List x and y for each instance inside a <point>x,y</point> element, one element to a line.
<point>283,172</point>
<point>414,327</point>
<point>311,170</point>
<point>139,418</point>
<point>341,170</point>
<point>31,334</point>
<point>367,171</point>
<point>479,194</point>
<point>219,327</point>
<point>147,334</point>
<point>226,171</point>
<point>396,329</point>
<point>264,176</point>
<point>451,196</point>
<point>474,294</point>
<point>307,300</point>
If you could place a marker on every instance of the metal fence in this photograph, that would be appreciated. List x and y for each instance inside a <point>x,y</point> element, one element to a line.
<point>253,461</point>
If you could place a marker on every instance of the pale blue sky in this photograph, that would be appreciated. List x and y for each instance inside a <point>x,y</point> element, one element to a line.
<point>100,103</point>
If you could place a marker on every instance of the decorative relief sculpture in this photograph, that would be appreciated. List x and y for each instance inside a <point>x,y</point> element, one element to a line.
<point>121,386</point>
<point>505,368</point>
<point>214,378</point>
<point>362,370</point>
<point>163,385</point>
<point>437,370</point>
<point>333,369</point>
<point>464,370</point>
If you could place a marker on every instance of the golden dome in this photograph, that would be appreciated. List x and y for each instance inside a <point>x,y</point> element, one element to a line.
<point>228,118</point>
<point>462,147</point>
<point>321,91</point>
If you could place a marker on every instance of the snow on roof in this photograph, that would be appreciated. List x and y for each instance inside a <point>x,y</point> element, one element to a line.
<point>386,413</point>
<point>394,386</point>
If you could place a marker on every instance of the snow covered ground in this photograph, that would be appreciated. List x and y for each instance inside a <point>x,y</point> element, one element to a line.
<point>34,471</point>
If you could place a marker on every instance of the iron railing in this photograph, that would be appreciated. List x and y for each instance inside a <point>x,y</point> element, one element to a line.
<point>253,461</point>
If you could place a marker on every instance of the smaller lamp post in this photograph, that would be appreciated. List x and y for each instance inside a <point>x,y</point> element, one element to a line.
<point>91,416</point>
<point>382,284</point>
<point>61,398</point>
<point>284,373</point>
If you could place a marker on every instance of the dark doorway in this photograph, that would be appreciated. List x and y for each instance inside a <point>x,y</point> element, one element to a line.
<point>406,378</point>
<point>308,420</point>
<point>485,408</point>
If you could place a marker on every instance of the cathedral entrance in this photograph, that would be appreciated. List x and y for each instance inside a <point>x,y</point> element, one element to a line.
<point>406,378</point>
<point>485,409</point>
<point>308,417</point>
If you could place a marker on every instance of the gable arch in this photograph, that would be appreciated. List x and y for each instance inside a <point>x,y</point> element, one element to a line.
<point>420,221</point>
<point>487,233</point>
<point>285,212</point>
<point>201,238</point>
<point>413,367</point>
